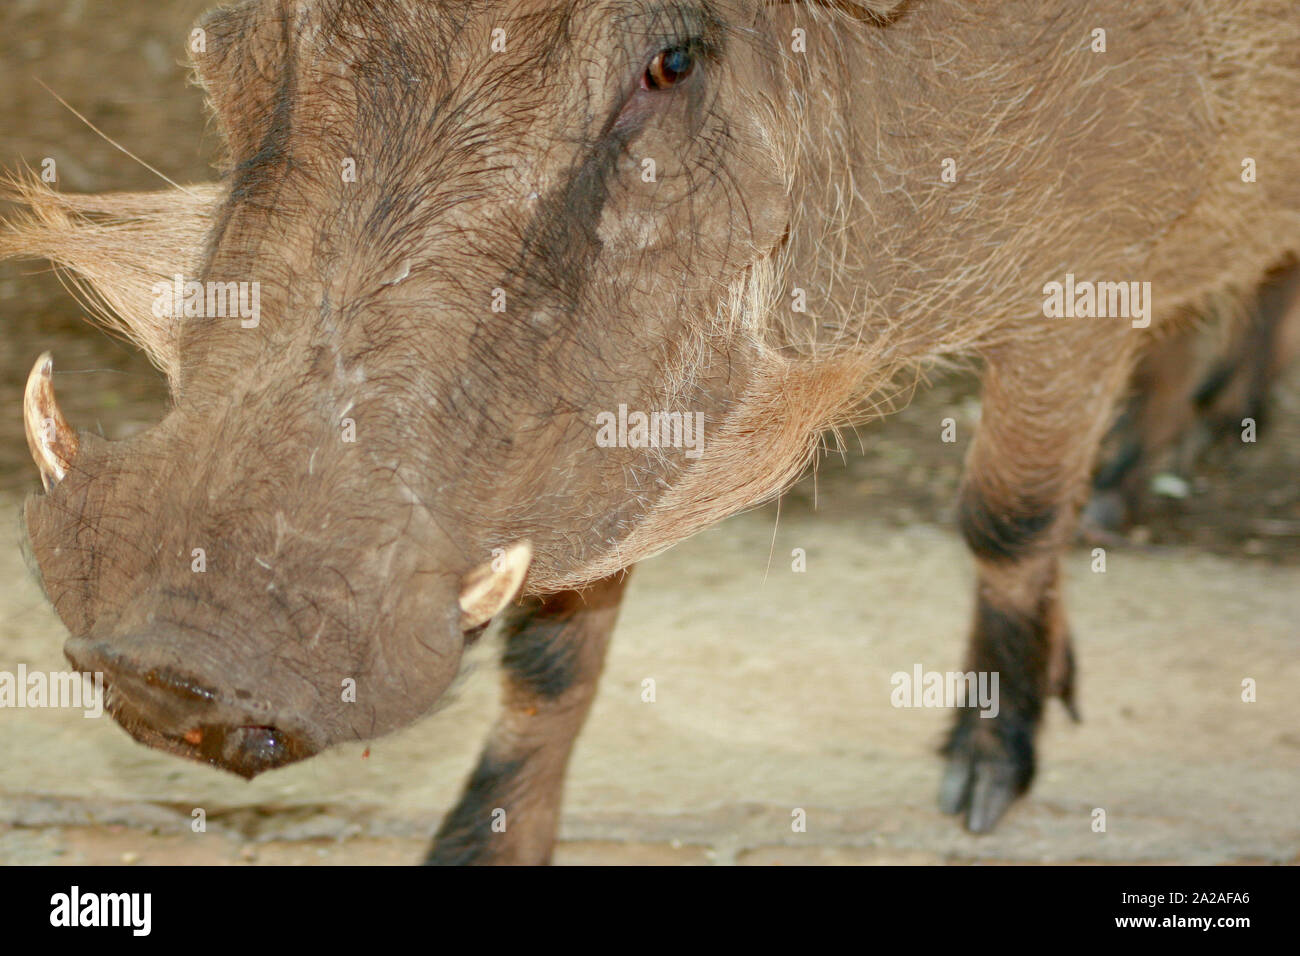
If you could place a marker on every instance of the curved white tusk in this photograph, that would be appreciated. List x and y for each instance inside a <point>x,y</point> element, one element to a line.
<point>490,586</point>
<point>49,436</point>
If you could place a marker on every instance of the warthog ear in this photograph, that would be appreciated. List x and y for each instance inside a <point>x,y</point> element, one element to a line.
<point>238,53</point>
<point>490,586</point>
<point>120,247</point>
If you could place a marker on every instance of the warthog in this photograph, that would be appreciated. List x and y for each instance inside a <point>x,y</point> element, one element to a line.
<point>1185,400</point>
<point>481,229</point>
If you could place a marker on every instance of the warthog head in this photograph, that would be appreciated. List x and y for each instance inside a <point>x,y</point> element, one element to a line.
<point>471,230</point>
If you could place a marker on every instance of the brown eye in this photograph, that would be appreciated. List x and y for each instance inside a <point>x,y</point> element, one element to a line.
<point>668,68</point>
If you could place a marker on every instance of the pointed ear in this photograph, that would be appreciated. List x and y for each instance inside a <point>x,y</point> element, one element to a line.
<point>490,586</point>
<point>239,55</point>
<point>119,247</point>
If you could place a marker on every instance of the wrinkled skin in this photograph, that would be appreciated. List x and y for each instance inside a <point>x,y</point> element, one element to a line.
<point>467,254</point>
<point>330,560</point>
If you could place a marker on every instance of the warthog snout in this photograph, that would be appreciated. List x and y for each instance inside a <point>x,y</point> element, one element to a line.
<point>353,603</point>
<point>191,714</point>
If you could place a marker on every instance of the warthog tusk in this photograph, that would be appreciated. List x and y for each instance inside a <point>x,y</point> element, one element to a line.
<point>488,588</point>
<point>49,436</point>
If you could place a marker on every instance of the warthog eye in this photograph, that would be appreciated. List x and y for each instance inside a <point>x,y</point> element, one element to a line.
<point>668,68</point>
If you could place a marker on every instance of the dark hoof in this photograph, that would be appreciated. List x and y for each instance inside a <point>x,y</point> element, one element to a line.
<point>982,789</point>
<point>990,765</point>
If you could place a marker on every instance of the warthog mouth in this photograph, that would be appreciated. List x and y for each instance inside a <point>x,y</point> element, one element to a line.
<point>177,714</point>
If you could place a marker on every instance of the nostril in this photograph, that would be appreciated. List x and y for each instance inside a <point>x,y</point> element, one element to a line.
<point>264,746</point>
<point>247,750</point>
<point>144,696</point>
<point>174,709</point>
<point>136,677</point>
<point>118,665</point>
<point>177,683</point>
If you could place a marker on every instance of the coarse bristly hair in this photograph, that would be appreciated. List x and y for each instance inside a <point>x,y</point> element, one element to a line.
<point>1119,165</point>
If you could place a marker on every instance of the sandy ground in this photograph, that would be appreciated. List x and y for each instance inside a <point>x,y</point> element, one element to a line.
<point>773,689</point>
<point>773,695</point>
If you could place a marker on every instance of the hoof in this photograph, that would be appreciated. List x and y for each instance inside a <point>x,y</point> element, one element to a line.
<point>990,765</point>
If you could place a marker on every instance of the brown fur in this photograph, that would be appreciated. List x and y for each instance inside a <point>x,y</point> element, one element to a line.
<point>779,171</point>
<point>1165,202</point>
<point>1194,391</point>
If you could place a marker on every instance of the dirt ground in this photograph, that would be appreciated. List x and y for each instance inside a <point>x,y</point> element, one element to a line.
<point>773,690</point>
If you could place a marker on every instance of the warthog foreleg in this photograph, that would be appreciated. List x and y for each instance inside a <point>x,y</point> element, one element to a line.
<point>554,652</point>
<point>1045,409</point>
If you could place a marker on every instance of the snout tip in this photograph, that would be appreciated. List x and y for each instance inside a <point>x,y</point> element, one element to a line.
<point>246,750</point>
<point>178,712</point>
